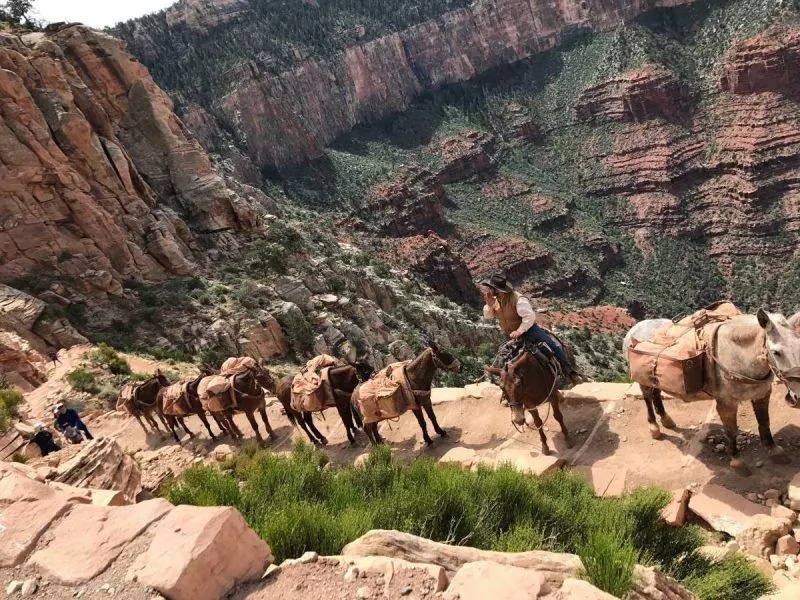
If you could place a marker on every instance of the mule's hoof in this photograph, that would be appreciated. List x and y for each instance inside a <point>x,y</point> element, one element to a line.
<point>738,465</point>
<point>442,433</point>
<point>568,441</point>
<point>324,441</point>
<point>429,442</point>
<point>546,450</point>
<point>667,422</point>
<point>655,432</point>
<point>778,455</point>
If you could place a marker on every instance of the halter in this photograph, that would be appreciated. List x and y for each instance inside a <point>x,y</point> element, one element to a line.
<point>440,365</point>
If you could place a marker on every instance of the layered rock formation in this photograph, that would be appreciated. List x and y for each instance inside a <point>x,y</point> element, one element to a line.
<point>101,182</point>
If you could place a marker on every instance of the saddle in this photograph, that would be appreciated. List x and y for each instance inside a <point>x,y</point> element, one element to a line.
<point>175,400</point>
<point>217,393</point>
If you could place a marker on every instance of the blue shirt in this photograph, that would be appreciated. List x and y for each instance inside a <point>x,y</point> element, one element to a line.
<point>70,418</point>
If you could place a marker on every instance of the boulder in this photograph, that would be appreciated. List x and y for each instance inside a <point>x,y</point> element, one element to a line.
<point>793,493</point>
<point>790,592</point>
<point>525,462</point>
<point>578,589</point>
<point>90,538</point>
<point>787,546</point>
<point>484,391</point>
<point>381,542</point>
<point>674,513</point>
<point>463,457</point>
<point>294,290</point>
<point>487,579</point>
<point>386,566</point>
<point>201,553</point>
<point>724,510</point>
<point>649,584</point>
<point>760,533</point>
<point>262,339</point>
<point>22,523</point>
<point>442,395</point>
<point>102,464</point>
<point>607,483</point>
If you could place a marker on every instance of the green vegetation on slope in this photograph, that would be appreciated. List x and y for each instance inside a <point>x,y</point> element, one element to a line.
<point>296,505</point>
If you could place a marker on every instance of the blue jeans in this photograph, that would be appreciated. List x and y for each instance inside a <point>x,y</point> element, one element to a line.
<point>537,334</point>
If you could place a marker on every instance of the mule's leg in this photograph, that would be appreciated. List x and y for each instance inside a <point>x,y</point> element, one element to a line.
<point>775,452</point>
<point>237,433</point>
<point>302,422</point>
<point>173,426</point>
<point>370,436</point>
<point>728,416</point>
<point>658,403</point>
<point>263,412</point>
<point>141,423</point>
<point>152,422</point>
<point>345,414</point>
<point>206,424</point>
<point>560,418</point>
<point>162,418</point>
<point>185,428</point>
<point>648,394</point>
<point>357,418</point>
<point>251,418</point>
<point>537,420</point>
<point>428,406</point>
<point>422,425</point>
<point>376,436</point>
<point>310,422</point>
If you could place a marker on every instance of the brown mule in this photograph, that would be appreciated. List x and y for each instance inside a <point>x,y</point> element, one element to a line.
<point>181,403</point>
<point>526,384</point>
<point>141,400</point>
<point>343,380</point>
<point>248,390</point>
<point>420,372</point>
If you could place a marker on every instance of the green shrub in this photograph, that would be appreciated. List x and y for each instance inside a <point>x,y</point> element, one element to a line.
<point>297,503</point>
<point>19,457</point>
<point>10,400</point>
<point>106,356</point>
<point>83,380</point>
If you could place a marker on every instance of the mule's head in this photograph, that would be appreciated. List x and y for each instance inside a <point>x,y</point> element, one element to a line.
<point>444,359</point>
<point>266,380</point>
<point>783,350</point>
<point>161,379</point>
<point>512,382</point>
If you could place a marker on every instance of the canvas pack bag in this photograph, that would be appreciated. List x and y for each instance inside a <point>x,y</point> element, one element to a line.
<point>175,401</point>
<point>216,393</point>
<point>237,365</point>
<point>675,359</point>
<point>386,396</point>
<point>311,388</point>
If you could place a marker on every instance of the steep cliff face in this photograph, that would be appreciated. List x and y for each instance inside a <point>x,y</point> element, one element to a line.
<point>101,181</point>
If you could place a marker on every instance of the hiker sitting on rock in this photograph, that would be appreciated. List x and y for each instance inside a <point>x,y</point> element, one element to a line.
<point>69,417</point>
<point>44,439</point>
<point>517,319</point>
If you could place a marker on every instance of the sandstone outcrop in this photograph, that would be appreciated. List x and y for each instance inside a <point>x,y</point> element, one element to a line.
<point>412,203</point>
<point>101,181</point>
<point>763,64</point>
<point>289,117</point>
<point>515,257</point>
<point>102,464</point>
<point>465,155</point>
<point>636,96</point>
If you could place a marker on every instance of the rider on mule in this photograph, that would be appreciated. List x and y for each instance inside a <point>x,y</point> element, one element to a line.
<point>517,319</point>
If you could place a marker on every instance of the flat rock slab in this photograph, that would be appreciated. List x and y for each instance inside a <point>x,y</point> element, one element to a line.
<point>602,392</point>
<point>724,510</point>
<point>463,457</point>
<point>525,462</point>
<point>386,567</point>
<point>607,483</point>
<point>486,579</point>
<point>91,537</point>
<point>578,589</point>
<point>441,395</point>
<point>201,553</point>
<point>22,523</point>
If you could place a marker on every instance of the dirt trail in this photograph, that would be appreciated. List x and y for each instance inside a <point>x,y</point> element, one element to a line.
<point>611,435</point>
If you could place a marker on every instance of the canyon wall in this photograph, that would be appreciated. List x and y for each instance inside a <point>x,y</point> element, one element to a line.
<point>100,181</point>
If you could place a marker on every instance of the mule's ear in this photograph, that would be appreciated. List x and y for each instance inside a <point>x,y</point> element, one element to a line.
<point>763,318</point>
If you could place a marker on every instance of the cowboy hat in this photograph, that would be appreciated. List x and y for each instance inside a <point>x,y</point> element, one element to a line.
<point>499,283</point>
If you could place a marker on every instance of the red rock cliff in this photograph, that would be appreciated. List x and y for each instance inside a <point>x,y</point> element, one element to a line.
<point>99,179</point>
<point>289,118</point>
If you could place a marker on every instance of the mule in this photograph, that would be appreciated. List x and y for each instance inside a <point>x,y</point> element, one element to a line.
<point>343,381</point>
<point>420,372</point>
<point>526,385</point>
<point>188,404</point>
<point>744,357</point>
<point>248,388</point>
<point>144,401</point>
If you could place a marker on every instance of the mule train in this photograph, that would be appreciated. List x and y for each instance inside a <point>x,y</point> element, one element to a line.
<point>715,354</point>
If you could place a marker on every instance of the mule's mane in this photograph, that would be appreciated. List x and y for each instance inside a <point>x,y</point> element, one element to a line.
<point>744,331</point>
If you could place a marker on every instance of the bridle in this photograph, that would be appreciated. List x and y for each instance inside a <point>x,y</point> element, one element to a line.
<point>453,366</point>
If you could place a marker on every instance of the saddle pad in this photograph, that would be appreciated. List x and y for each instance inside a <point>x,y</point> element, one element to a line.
<point>238,364</point>
<point>311,388</point>
<point>214,392</point>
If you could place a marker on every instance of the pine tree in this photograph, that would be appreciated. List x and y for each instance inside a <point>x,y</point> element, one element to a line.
<point>16,10</point>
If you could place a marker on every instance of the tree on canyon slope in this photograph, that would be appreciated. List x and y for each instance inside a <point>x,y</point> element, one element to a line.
<point>16,11</point>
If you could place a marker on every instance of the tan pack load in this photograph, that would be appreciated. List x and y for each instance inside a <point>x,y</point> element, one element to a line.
<point>175,401</point>
<point>311,387</point>
<point>238,364</point>
<point>675,359</point>
<point>386,396</point>
<point>215,393</point>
